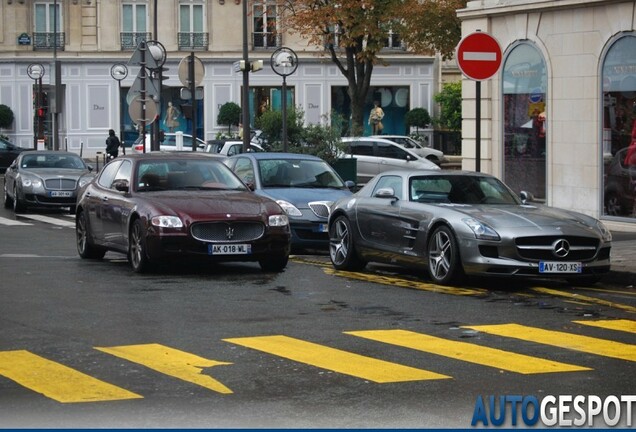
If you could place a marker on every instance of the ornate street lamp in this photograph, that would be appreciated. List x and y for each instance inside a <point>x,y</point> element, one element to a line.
<point>119,71</point>
<point>284,62</point>
<point>36,72</point>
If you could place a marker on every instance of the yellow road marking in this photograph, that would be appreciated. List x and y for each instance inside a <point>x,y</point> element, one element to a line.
<point>468,352</point>
<point>336,360</point>
<point>562,340</point>
<point>169,361</point>
<point>620,325</point>
<point>406,283</point>
<point>580,297</point>
<point>56,381</point>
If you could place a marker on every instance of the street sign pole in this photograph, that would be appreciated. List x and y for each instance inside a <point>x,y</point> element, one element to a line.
<point>193,101</point>
<point>479,58</point>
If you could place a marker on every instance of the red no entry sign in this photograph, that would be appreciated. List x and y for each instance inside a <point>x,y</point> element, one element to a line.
<point>479,56</point>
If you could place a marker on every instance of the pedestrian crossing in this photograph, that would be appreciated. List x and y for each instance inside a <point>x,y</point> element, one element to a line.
<point>29,219</point>
<point>67,385</point>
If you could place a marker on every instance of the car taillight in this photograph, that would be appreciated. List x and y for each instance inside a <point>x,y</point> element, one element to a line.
<point>139,147</point>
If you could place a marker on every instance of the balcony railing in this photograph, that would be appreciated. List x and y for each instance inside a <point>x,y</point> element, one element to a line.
<point>48,41</point>
<point>130,40</point>
<point>193,41</point>
<point>266,40</point>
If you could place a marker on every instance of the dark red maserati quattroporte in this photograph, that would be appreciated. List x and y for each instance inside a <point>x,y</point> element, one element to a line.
<point>158,206</point>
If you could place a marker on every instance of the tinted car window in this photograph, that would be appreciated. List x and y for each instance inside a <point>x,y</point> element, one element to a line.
<point>108,174</point>
<point>393,182</point>
<point>361,148</point>
<point>244,170</point>
<point>391,151</point>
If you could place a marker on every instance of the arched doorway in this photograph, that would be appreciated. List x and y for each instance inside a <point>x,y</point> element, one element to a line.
<point>524,119</point>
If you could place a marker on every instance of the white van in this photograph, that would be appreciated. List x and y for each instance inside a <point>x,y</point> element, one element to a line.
<point>377,155</point>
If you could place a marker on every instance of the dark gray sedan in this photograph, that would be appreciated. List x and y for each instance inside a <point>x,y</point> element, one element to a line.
<point>40,178</point>
<point>456,223</point>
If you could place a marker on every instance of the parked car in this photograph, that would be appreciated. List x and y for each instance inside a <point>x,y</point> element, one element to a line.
<point>8,153</point>
<point>305,186</point>
<point>456,223</point>
<point>169,143</point>
<point>377,155</point>
<point>41,178</point>
<point>434,155</point>
<point>161,206</point>
<point>620,186</point>
<point>229,148</point>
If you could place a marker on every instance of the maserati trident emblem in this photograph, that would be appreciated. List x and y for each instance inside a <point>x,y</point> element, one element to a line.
<point>229,233</point>
<point>561,248</point>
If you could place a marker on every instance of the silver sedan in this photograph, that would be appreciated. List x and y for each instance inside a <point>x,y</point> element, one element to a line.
<point>456,223</point>
<point>41,178</point>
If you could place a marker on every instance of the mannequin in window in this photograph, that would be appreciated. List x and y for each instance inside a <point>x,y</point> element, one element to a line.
<point>375,119</point>
<point>172,117</point>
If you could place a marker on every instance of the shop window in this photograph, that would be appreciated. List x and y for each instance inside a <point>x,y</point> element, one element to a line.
<point>619,127</point>
<point>525,120</point>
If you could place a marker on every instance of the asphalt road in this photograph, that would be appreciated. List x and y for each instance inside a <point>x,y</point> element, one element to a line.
<point>91,344</point>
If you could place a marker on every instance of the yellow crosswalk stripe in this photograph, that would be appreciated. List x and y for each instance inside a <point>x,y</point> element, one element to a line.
<point>336,360</point>
<point>559,339</point>
<point>468,352</point>
<point>619,324</point>
<point>56,381</point>
<point>170,361</point>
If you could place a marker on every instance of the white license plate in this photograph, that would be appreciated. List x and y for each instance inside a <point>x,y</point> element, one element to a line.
<point>229,249</point>
<point>559,267</point>
<point>61,194</point>
<point>323,228</point>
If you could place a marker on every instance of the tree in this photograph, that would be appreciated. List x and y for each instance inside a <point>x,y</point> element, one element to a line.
<point>418,117</point>
<point>450,100</point>
<point>229,114</point>
<point>6,117</point>
<point>353,33</point>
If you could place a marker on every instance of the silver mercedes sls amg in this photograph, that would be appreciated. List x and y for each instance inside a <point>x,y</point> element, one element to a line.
<point>458,223</point>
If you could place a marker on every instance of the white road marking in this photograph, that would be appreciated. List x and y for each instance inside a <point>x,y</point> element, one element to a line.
<point>11,222</point>
<point>50,220</point>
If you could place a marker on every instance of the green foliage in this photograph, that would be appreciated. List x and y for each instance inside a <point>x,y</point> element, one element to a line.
<point>324,141</point>
<point>6,117</point>
<point>418,117</point>
<point>229,114</point>
<point>271,123</point>
<point>450,100</point>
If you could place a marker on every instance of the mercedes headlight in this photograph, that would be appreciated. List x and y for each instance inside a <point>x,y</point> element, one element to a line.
<point>481,230</point>
<point>607,235</point>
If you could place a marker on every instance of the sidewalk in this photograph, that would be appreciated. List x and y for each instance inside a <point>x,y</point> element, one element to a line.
<point>623,270</point>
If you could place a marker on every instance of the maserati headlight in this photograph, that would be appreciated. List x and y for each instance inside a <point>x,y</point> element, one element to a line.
<point>607,235</point>
<point>289,208</point>
<point>166,222</point>
<point>31,182</point>
<point>278,220</point>
<point>481,230</point>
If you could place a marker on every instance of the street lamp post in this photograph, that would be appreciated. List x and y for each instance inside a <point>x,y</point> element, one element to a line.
<point>119,71</point>
<point>36,72</point>
<point>284,62</point>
